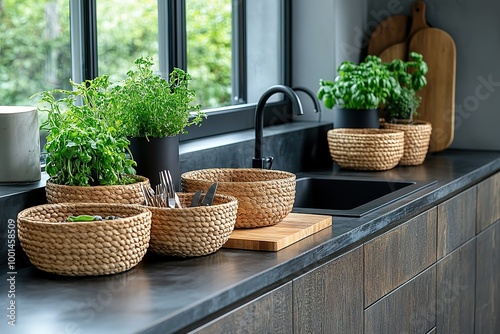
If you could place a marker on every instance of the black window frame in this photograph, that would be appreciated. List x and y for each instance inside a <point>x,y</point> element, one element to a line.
<point>219,120</point>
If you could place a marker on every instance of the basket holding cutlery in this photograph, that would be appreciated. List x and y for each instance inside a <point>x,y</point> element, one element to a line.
<point>192,230</point>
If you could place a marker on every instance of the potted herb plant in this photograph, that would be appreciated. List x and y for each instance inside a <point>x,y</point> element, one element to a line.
<point>400,110</point>
<point>152,111</point>
<point>358,90</point>
<point>87,159</point>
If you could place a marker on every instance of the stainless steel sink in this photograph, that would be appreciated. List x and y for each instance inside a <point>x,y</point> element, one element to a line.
<point>349,196</point>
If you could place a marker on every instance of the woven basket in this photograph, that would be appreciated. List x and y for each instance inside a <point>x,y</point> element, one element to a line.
<point>366,149</point>
<point>265,197</point>
<point>417,137</point>
<point>121,194</point>
<point>84,248</point>
<point>192,231</point>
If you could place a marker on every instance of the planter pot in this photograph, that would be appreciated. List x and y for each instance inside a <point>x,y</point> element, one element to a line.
<point>355,118</point>
<point>155,155</point>
<point>121,194</point>
<point>417,137</point>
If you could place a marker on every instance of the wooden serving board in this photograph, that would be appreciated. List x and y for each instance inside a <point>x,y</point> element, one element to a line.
<point>438,97</point>
<point>294,227</point>
<point>392,30</point>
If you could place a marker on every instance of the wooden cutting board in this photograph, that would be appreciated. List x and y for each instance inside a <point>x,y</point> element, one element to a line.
<point>400,50</point>
<point>392,30</point>
<point>438,97</point>
<point>294,227</point>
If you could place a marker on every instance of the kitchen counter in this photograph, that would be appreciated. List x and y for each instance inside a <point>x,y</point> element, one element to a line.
<point>167,295</point>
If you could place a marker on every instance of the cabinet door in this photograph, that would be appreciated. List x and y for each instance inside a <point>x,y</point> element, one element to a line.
<point>408,309</point>
<point>488,202</point>
<point>398,255</point>
<point>488,280</point>
<point>269,313</point>
<point>456,221</point>
<point>456,284</point>
<point>329,299</point>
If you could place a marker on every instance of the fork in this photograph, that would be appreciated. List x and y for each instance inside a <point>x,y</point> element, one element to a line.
<point>166,181</point>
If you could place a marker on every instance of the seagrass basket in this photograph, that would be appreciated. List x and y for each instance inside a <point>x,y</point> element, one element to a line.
<point>265,197</point>
<point>192,231</point>
<point>121,194</point>
<point>84,248</point>
<point>416,143</point>
<point>366,149</point>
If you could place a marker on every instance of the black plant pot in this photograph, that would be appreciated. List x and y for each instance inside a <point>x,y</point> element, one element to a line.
<point>355,118</point>
<point>156,155</point>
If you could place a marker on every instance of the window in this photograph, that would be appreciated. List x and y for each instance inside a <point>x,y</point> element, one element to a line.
<point>233,49</point>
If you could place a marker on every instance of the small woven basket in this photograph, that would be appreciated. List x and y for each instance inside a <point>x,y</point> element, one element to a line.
<point>84,248</point>
<point>121,194</point>
<point>265,197</point>
<point>417,137</point>
<point>192,231</point>
<point>366,149</point>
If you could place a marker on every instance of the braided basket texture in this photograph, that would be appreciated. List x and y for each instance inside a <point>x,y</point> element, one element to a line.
<point>417,137</point>
<point>192,231</point>
<point>122,194</point>
<point>84,248</point>
<point>265,197</point>
<point>366,149</point>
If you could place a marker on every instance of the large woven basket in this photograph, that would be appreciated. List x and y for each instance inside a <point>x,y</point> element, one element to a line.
<point>265,197</point>
<point>366,149</point>
<point>192,231</point>
<point>121,194</point>
<point>84,248</point>
<point>417,137</point>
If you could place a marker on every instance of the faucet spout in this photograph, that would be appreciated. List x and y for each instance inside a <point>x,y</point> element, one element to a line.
<point>314,98</point>
<point>259,161</point>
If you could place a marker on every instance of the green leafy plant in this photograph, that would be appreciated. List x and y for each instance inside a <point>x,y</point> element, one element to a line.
<point>149,106</point>
<point>363,86</point>
<point>411,77</point>
<point>82,149</point>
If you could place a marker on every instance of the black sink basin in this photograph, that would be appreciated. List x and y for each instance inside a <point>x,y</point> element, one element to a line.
<point>349,196</point>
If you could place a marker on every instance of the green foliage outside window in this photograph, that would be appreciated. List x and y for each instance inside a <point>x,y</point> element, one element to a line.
<point>35,47</point>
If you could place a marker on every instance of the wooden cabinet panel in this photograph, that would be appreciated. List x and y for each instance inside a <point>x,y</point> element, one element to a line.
<point>488,202</point>
<point>270,313</point>
<point>329,299</point>
<point>456,284</point>
<point>488,280</point>
<point>396,256</point>
<point>408,309</point>
<point>456,221</point>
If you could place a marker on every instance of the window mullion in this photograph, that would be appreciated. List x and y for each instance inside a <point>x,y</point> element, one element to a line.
<point>239,54</point>
<point>89,38</point>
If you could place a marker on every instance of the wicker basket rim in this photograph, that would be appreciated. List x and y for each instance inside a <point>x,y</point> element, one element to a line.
<point>139,179</point>
<point>415,123</point>
<point>230,200</point>
<point>366,132</point>
<point>285,175</point>
<point>140,211</point>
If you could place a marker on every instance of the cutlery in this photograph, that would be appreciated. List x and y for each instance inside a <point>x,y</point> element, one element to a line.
<point>209,196</point>
<point>196,198</point>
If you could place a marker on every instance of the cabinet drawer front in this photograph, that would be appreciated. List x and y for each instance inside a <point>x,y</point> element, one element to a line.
<point>398,255</point>
<point>408,309</point>
<point>456,221</point>
<point>488,202</point>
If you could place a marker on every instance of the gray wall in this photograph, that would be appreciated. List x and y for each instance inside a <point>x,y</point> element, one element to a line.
<point>327,32</point>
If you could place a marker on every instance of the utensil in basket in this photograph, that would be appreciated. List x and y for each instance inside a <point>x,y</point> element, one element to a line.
<point>168,184</point>
<point>209,196</point>
<point>195,201</point>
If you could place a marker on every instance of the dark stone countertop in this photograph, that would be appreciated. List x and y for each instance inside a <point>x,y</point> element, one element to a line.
<point>166,295</point>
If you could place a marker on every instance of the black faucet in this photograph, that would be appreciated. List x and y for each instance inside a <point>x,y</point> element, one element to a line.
<point>259,161</point>
<point>314,98</point>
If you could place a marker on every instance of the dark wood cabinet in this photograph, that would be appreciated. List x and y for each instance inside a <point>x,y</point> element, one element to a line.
<point>269,313</point>
<point>456,283</point>
<point>329,299</point>
<point>398,255</point>
<point>408,309</point>
<point>488,202</point>
<point>488,281</point>
<point>456,221</point>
